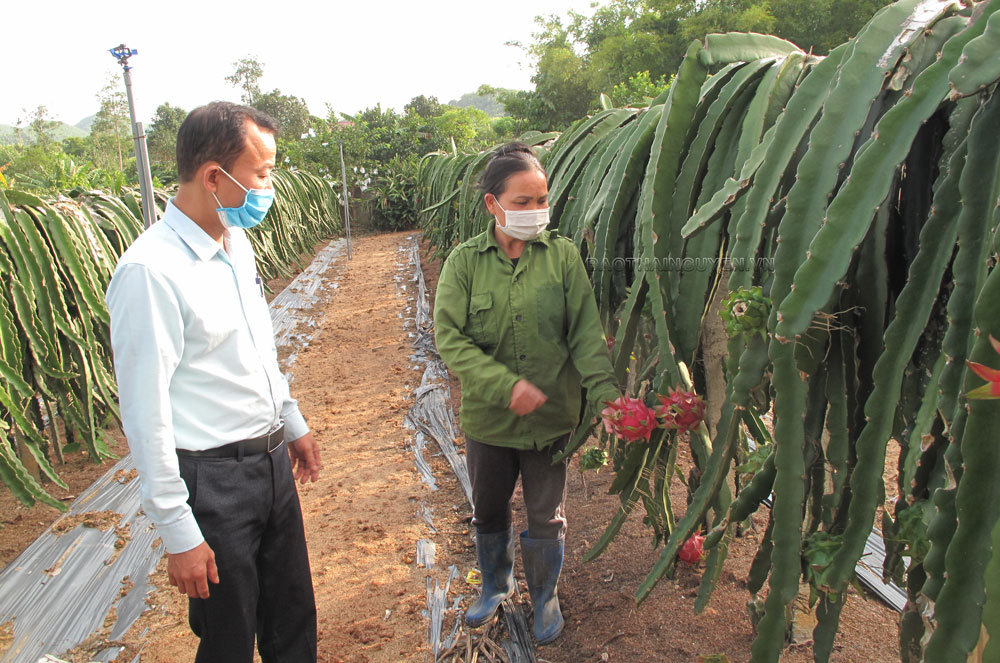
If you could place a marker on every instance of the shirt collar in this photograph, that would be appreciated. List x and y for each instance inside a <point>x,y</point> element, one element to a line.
<point>488,240</point>
<point>200,243</point>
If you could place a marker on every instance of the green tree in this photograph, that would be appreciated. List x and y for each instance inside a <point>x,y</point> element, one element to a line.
<point>565,90</point>
<point>161,141</point>
<point>728,16</point>
<point>577,58</point>
<point>246,76</point>
<point>505,128</point>
<point>291,113</point>
<point>42,126</point>
<point>821,25</point>
<point>470,128</point>
<point>526,110</point>
<point>79,148</point>
<point>639,90</point>
<point>564,87</point>
<point>627,37</point>
<point>424,106</point>
<point>385,135</point>
<point>112,129</point>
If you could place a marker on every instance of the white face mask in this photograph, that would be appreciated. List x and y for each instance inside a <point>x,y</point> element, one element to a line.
<point>524,224</point>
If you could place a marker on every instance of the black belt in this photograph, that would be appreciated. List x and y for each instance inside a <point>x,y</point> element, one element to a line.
<point>258,445</point>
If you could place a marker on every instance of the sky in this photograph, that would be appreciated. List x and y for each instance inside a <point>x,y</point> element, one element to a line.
<point>350,55</point>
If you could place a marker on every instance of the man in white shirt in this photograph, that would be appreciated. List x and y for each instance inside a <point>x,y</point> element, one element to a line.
<point>204,405</point>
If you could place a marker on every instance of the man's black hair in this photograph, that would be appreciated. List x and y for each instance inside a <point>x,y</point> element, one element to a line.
<point>216,132</point>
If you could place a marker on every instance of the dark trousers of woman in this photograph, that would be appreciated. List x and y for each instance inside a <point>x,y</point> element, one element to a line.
<point>249,514</point>
<point>493,473</point>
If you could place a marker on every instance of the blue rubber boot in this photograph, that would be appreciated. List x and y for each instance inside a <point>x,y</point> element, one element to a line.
<point>543,559</point>
<point>496,565</point>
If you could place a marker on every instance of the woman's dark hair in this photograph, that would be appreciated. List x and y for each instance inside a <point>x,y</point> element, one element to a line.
<point>216,132</point>
<point>507,160</point>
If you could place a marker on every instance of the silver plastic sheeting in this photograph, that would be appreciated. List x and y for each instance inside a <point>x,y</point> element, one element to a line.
<point>294,316</point>
<point>77,581</point>
<point>426,514</point>
<point>426,552</point>
<point>68,584</point>
<point>519,646</point>
<point>869,572</point>
<point>437,603</point>
<point>431,414</point>
<point>418,447</point>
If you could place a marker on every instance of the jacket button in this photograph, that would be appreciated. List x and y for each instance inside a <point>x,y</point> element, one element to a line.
<point>518,317</point>
<point>523,357</point>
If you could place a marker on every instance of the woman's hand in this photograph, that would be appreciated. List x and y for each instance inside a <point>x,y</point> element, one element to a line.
<point>526,398</point>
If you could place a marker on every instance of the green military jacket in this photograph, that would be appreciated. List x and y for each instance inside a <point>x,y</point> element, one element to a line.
<point>496,323</point>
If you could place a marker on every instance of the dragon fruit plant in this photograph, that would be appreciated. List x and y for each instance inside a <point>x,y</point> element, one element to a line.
<point>990,390</point>
<point>681,410</point>
<point>593,458</point>
<point>693,551</point>
<point>629,419</point>
<point>745,311</point>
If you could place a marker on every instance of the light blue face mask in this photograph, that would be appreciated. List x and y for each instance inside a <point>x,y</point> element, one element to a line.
<point>251,212</point>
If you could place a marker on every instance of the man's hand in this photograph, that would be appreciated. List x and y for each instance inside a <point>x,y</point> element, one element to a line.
<point>525,398</point>
<point>304,453</point>
<point>191,571</point>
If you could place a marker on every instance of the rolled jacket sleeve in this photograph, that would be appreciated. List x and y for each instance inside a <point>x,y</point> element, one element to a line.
<point>481,375</point>
<point>147,338</point>
<point>587,342</point>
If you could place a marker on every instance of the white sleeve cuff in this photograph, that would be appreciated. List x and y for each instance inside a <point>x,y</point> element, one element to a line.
<point>295,424</point>
<point>181,535</point>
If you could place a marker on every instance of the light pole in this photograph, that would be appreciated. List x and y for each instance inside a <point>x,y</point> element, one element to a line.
<point>122,54</point>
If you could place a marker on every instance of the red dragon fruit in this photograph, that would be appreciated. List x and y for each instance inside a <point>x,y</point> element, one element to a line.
<point>692,551</point>
<point>681,410</point>
<point>629,418</point>
<point>990,390</point>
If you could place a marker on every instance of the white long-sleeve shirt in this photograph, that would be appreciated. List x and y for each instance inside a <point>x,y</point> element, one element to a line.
<point>195,359</point>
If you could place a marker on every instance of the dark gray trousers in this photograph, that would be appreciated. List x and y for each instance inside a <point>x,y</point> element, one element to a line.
<point>249,513</point>
<point>493,473</point>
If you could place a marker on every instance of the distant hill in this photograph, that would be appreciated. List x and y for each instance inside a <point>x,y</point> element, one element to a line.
<point>484,102</point>
<point>86,123</point>
<point>67,131</point>
<point>8,134</point>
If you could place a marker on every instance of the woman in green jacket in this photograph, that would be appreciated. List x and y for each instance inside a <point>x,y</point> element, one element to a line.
<point>517,322</point>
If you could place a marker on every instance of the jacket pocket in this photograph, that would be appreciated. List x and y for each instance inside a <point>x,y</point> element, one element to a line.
<point>482,325</point>
<point>551,313</point>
